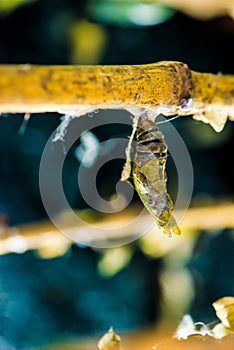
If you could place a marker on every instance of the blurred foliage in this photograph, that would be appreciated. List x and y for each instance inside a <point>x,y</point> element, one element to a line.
<point>129,12</point>
<point>10,5</point>
<point>43,301</point>
<point>87,42</point>
<point>114,260</point>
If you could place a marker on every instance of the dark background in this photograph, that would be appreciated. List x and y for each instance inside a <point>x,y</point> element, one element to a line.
<point>43,300</point>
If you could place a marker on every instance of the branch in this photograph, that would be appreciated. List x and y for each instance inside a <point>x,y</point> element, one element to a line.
<point>45,237</point>
<point>164,87</point>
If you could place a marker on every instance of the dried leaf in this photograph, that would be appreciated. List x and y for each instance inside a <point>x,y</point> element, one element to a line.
<point>110,341</point>
<point>224,308</point>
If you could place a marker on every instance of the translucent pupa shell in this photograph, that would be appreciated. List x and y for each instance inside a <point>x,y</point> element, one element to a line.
<point>149,175</point>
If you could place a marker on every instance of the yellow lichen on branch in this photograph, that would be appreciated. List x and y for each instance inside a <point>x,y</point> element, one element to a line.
<point>214,97</point>
<point>166,87</point>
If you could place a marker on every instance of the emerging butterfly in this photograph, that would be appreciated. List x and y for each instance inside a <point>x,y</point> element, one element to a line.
<point>149,175</point>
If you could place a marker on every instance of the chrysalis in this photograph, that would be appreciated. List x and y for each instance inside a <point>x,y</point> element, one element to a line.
<point>149,175</point>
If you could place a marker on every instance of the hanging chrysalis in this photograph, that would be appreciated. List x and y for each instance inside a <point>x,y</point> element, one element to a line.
<point>149,175</point>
